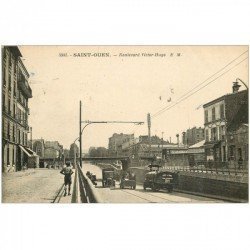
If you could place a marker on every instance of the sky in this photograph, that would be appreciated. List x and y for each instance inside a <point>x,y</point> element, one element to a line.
<point>113,85</point>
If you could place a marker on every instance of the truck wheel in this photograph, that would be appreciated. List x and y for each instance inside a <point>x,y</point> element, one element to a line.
<point>144,187</point>
<point>154,188</point>
<point>134,187</point>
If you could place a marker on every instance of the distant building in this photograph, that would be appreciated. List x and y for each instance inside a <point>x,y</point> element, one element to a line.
<point>196,154</point>
<point>193,135</point>
<point>47,149</point>
<point>238,144</point>
<point>15,95</point>
<point>224,116</point>
<point>38,146</point>
<point>116,141</point>
<point>53,149</point>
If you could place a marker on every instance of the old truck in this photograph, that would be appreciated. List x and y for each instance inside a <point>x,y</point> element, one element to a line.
<point>157,180</point>
<point>108,179</point>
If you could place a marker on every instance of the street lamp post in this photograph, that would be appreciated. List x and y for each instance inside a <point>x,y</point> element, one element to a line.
<point>96,122</point>
<point>74,145</point>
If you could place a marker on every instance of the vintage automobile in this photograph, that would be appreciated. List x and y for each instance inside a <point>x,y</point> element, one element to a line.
<point>128,181</point>
<point>108,177</point>
<point>158,180</point>
<point>92,177</point>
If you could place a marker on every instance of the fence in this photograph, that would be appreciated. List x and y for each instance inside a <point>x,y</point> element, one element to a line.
<point>84,189</point>
<point>228,168</point>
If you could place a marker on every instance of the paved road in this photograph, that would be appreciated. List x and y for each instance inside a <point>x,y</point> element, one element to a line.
<point>117,195</point>
<point>32,186</point>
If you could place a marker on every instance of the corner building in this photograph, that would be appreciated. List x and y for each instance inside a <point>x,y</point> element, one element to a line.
<point>15,95</point>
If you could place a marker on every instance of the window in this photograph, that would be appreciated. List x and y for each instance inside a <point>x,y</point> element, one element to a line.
<point>3,102</point>
<point>222,111</point>
<point>213,134</point>
<point>207,135</point>
<point>8,155</point>
<point>10,61</point>
<point>213,114</point>
<point>9,107</point>
<point>13,158</point>
<point>19,135</point>
<point>14,134</point>
<point>223,132</point>
<point>206,116</point>
<point>4,76</point>
<point>14,110</point>
<point>8,131</point>
<point>9,82</point>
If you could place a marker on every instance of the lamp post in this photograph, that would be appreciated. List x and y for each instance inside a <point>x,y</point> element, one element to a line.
<point>87,122</point>
<point>75,151</point>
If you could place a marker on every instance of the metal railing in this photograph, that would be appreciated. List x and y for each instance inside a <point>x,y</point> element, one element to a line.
<point>224,168</point>
<point>86,189</point>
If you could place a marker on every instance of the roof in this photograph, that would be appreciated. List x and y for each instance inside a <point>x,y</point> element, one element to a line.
<point>222,98</point>
<point>198,145</point>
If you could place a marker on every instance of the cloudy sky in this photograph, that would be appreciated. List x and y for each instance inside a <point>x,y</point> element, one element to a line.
<point>126,88</point>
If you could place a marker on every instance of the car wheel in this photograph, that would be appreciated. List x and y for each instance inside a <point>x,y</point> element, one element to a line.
<point>144,187</point>
<point>134,187</point>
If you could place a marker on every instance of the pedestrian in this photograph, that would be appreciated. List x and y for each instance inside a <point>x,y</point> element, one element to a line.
<point>67,172</point>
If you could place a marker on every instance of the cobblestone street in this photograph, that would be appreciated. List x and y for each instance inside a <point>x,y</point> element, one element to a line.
<point>32,186</point>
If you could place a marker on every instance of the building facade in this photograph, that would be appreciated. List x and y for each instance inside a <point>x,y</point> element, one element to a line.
<point>38,146</point>
<point>116,141</point>
<point>15,111</point>
<point>223,116</point>
<point>192,136</point>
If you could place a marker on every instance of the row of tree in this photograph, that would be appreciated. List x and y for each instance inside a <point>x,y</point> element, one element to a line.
<point>98,152</point>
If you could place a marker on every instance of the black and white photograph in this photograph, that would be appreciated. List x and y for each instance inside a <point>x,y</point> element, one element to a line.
<point>125,124</point>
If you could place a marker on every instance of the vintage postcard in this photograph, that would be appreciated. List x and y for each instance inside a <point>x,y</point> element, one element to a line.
<point>125,124</point>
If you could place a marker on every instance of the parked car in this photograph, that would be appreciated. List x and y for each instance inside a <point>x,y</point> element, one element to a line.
<point>108,177</point>
<point>158,180</point>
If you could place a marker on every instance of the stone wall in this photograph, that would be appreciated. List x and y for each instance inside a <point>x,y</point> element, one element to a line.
<point>224,186</point>
<point>233,187</point>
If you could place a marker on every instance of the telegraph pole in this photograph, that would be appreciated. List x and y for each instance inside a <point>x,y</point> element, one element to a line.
<point>80,134</point>
<point>149,133</point>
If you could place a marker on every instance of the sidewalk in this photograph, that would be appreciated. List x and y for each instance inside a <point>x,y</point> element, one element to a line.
<point>31,186</point>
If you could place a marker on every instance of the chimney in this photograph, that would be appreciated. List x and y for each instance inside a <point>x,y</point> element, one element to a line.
<point>178,142</point>
<point>236,87</point>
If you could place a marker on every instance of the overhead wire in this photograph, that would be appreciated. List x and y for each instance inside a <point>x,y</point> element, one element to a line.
<point>185,97</point>
<point>206,79</point>
<point>190,93</point>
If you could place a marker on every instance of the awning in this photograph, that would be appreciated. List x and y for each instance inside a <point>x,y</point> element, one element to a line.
<point>24,150</point>
<point>31,151</point>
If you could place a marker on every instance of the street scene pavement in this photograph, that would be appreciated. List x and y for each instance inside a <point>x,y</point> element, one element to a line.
<point>33,186</point>
<point>117,195</point>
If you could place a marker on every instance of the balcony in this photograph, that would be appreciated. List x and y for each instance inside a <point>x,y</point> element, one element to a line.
<point>24,86</point>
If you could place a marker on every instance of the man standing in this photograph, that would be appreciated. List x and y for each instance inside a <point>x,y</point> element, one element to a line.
<point>67,172</point>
